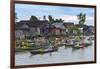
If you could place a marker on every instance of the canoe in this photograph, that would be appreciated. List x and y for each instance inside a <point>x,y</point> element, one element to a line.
<point>91,38</point>
<point>77,47</point>
<point>80,45</point>
<point>43,51</point>
<point>86,44</point>
<point>69,44</point>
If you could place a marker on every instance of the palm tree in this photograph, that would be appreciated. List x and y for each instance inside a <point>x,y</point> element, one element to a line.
<point>82,18</point>
<point>51,20</point>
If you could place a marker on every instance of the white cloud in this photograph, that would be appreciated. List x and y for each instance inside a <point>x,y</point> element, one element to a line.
<point>73,18</point>
<point>90,20</point>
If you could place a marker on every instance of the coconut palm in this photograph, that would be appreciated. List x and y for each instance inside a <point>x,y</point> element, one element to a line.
<point>82,18</point>
<point>51,20</point>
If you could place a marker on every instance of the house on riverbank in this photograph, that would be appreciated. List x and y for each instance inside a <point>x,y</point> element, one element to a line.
<point>54,29</point>
<point>28,29</point>
<point>69,27</point>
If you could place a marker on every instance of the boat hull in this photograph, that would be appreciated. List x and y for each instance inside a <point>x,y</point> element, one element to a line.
<point>34,52</point>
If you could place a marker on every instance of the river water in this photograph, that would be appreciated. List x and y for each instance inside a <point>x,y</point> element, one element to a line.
<point>63,55</point>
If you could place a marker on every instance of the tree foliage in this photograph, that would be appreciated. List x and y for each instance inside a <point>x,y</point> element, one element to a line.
<point>51,20</point>
<point>44,17</point>
<point>82,18</point>
<point>59,20</point>
<point>33,18</point>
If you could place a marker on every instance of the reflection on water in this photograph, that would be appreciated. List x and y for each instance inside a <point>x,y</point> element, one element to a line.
<point>62,55</point>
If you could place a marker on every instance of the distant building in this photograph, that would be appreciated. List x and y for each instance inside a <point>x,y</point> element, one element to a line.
<point>59,26</point>
<point>27,28</point>
<point>69,26</point>
<point>88,30</point>
<point>54,29</point>
<point>47,30</point>
<point>21,30</point>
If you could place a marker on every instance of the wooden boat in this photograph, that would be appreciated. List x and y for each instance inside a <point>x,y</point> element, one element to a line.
<point>91,38</point>
<point>42,51</point>
<point>69,43</point>
<point>86,44</point>
<point>77,45</point>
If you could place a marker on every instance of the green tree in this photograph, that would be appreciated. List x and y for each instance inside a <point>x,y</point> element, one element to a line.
<point>33,18</point>
<point>82,18</point>
<point>60,20</point>
<point>44,17</point>
<point>77,30</point>
<point>57,20</point>
<point>51,20</point>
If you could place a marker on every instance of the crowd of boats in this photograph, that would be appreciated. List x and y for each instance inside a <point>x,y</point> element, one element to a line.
<point>85,42</point>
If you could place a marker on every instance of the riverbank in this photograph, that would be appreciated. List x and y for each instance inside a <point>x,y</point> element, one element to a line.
<point>57,43</point>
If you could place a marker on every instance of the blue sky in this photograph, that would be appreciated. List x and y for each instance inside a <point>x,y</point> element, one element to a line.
<point>25,11</point>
